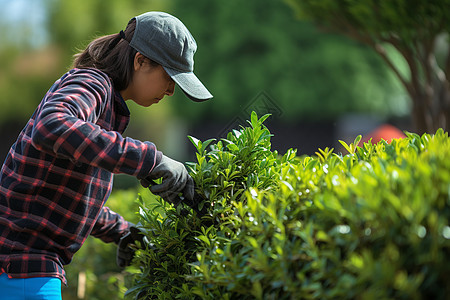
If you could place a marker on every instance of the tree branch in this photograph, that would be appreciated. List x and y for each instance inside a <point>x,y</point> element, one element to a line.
<point>412,64</point>
<point>348,29</point>
<point>445,94</point>
<point>447,67</point>
<point>382,52</point>
<point>426,60</point>
<point>413,85</point>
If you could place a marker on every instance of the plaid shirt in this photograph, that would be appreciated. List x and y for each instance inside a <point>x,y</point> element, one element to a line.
<point>58,175</point>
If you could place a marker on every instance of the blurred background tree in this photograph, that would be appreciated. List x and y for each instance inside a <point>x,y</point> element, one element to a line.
<point>316,79</point>
<point>417,30</point>
<point>27,65</point>
<point>245,48</point>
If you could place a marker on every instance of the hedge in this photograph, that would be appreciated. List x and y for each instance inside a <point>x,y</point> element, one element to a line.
<point>370,224</point>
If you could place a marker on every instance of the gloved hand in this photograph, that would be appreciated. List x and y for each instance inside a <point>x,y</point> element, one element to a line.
<point>125,253</point>
<point>175,180</point>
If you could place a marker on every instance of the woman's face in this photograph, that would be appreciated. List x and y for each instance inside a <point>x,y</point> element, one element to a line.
<point>150,83</point>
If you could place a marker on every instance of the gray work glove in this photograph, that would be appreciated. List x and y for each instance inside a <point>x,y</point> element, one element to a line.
<point>175,180</point>
<point>125,252</point>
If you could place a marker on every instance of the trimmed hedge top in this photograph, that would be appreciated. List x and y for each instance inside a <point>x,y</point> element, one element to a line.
<point>371,224</point>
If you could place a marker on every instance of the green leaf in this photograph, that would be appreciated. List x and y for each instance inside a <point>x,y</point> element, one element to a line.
<point>254,120</point>
<point>204,239</point>
<point>206,144</point>
<point>356,141</point>
<point>347,147</point>
<point>197,143</point>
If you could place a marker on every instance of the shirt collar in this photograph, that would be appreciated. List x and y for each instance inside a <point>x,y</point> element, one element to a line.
<point>122,106</point>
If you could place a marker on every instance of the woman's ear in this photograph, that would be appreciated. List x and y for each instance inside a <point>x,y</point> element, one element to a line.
<point>139,60</point>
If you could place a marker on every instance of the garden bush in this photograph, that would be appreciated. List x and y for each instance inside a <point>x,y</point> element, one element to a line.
<point>368,224</point>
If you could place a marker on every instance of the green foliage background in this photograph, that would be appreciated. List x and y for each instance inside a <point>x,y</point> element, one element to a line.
<point>244,48</point>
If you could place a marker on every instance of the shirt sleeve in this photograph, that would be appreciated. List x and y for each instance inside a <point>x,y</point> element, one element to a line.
<point>65,127</point>
<point>110,226</point>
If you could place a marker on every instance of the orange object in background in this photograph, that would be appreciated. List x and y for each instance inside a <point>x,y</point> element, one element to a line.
<point>386,132</point>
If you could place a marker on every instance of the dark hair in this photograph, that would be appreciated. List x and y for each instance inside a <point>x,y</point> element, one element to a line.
<point>111,54</point>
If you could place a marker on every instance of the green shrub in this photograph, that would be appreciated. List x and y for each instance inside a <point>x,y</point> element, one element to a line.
<point>371,224</point>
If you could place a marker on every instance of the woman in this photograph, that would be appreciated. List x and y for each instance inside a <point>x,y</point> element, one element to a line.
<point>58,175</point>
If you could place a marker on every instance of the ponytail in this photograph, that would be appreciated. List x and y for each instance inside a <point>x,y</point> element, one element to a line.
<point>111,54</point>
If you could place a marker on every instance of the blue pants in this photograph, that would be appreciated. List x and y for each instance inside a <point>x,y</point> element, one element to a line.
<point>38,288</point>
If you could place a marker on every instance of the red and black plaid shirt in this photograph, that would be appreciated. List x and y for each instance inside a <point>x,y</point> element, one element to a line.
<point>58,175</point>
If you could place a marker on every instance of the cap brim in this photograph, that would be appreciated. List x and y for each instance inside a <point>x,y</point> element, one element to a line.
<point>190,84</point>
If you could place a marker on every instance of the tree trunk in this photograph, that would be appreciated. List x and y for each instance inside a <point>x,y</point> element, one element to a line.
<point>431,105</point>
<point>428,84</point>
<point>431,114</point>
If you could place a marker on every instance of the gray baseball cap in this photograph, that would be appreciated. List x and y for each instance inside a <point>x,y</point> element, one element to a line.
<point>164,39</point>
